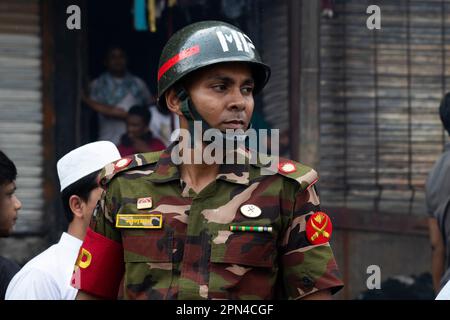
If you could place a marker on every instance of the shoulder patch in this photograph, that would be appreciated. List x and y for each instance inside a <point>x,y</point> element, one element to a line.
<point>304,175</point>
<point>286,167</point>
<point>126,163</point>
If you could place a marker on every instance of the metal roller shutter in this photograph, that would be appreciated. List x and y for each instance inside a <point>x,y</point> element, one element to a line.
<point>21,120</point>
<point>380,92</point>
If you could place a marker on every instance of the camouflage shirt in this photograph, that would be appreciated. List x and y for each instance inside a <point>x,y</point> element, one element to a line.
<point>193,254</point>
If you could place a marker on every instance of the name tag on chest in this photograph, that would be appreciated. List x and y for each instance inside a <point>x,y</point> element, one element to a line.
<point>139,221</point>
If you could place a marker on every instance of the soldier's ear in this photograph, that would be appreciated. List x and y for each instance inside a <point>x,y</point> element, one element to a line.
<point>173,102</point>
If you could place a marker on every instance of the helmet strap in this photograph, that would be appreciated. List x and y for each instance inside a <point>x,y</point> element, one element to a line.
<point>191,114</point>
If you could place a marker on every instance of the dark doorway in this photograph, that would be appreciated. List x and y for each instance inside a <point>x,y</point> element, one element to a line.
<point>112,23</point>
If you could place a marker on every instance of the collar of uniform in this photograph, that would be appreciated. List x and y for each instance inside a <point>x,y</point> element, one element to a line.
<point>234,173</point>
<point>165,169</point>
<point>237,172</point>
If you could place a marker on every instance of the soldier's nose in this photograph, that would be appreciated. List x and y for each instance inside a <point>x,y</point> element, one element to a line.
<point>237,102</point>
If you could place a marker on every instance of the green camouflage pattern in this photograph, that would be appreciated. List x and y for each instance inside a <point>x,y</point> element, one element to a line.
<point>195,255</point>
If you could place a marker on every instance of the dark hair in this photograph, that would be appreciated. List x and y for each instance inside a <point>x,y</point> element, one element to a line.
<point>81,188</point>
<point>113,47</point>
<point>142,112</point>
<point>444,112</point>
<point>8,171</point>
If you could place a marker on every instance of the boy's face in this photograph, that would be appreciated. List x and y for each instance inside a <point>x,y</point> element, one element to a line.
<point>136,126</point>
<point>223,95</point>
<point>89,206</point>
<point>9,207</point>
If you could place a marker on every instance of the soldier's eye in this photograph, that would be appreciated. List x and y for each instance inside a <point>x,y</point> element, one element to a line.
<point>247,90</point>
<point>220,87</point>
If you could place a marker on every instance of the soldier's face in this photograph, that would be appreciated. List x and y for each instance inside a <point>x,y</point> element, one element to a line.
<point>223,95</point>
<point>9,208</point>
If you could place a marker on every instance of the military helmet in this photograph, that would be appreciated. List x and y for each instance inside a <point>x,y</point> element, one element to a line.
<point>203,44</point>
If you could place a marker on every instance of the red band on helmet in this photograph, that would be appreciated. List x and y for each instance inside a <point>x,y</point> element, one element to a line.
<point>99,267</point>
<point>177,58</point>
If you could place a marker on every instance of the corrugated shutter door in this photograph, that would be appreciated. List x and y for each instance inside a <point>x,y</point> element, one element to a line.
<point>380,92</point>
<point>20,105</point>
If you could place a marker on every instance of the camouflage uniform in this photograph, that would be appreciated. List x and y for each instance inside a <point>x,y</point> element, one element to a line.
<point>195,255</point>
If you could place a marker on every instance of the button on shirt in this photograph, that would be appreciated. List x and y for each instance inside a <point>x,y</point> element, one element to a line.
<point>48,275</point>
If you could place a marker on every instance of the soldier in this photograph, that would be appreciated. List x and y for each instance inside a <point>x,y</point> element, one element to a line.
<point>208,231</point>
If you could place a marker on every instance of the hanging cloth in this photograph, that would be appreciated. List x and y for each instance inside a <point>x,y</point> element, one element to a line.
<point>152,15</point>
<point>140,17</point>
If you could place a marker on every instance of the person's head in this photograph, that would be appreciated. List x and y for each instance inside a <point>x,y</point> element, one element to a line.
<point>78,175</point>
<point>9,203</point>
<point>209,71</point>
<point>116,61</point>
<point>444,112</point>
<point>138,120</point>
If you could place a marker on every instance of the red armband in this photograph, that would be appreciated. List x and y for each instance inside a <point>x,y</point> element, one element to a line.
<point>99,267</point>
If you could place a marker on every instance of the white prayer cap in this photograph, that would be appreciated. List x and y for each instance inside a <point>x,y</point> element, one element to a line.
<point>85,160</point>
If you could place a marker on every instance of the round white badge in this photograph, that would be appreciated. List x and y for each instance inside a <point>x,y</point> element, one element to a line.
<point>250,211</point>
<point>288,167</point>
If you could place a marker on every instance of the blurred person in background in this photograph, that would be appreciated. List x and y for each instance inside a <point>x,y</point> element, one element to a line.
<point>113,93</point>
<point>139,138</point>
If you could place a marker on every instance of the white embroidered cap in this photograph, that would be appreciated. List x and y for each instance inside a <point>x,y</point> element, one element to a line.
<point>85,160</point>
